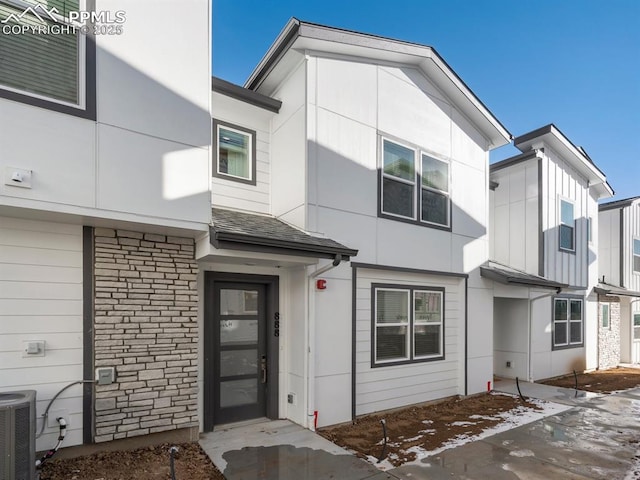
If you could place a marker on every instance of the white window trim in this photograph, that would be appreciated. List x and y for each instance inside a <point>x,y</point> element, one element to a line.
<point>568,322</point>
<point>82,64</point>
<point>560,223</point>
<point>417,185</point>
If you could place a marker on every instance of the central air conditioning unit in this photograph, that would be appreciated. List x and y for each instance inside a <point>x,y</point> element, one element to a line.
<point>18,435</point>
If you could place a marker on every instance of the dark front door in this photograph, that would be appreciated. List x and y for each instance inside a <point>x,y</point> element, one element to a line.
<point>240,375</point>
<point>241,344</point>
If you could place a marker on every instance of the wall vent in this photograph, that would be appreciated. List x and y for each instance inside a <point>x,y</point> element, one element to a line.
<point>18,435</point>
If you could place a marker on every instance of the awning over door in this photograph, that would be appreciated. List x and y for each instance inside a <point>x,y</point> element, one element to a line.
<point>263,233</point>
<point>510,276</point>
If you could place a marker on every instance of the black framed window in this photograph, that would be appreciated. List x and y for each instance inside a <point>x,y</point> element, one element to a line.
<point>414,186</point>
<point>407,323</point>
<point>567,239</point>
<point>45,59</point>
<point>234,153</point>
<point>568,323</point>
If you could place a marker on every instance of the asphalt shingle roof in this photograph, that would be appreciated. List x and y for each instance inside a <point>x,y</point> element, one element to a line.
<point>250,229</point>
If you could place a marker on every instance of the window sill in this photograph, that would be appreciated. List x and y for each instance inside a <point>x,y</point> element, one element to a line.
<point>414,222</point>
<point>567,347</point>
<point>407,362</point>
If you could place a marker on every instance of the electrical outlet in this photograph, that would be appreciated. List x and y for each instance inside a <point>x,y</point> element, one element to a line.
<point>53,415</point>
<point>291,398</point>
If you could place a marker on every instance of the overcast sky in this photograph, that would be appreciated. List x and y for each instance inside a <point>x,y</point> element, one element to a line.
<point>574,63</point>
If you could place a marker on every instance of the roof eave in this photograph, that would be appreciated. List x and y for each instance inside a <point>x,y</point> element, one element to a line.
<point>228,239</point>
<point>427,59</point>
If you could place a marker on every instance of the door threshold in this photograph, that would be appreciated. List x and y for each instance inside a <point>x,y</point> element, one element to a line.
<point>243,423</point>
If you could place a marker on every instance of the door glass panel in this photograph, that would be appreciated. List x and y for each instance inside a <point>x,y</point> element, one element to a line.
<point>238,362</point>
<point>238,332</point>
<point>238,302</point>
<point>238,392</point>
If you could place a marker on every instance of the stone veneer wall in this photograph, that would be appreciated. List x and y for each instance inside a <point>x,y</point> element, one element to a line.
<point>609,338</point>
<point>146,327</point>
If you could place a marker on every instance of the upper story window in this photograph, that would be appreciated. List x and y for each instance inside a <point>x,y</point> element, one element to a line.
<point>408,324</point>
<point>45,60</point>
<point>415,186</point>
<point>567,237</point>
<point>636,255</point>
<point>235,153</point>
<point>567,323</point>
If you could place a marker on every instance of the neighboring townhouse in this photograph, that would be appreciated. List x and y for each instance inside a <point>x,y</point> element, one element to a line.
<point>544,252</point>
<point>105,163</point>
<point>350,221</point>
<point>619,282</point>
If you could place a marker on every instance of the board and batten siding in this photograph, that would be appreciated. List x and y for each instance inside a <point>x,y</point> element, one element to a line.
<point>630,231</point>
<point>41,299</point>
<point>560,180</point>
<point>232,194</point>
<point>383,388</point>
<point>609,246</point>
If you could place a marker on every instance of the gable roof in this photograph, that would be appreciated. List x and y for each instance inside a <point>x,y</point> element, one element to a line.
<point>299,35</point>
<point>253,232</point>
<point>603,207</point>
<point>576,156</point>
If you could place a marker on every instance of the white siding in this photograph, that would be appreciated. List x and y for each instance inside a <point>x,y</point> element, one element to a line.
<point>41,299</point>
<point>382,388</point>
<point>288,151</point>
<point>631,231</point>
<point>609,246</point>
<point>515,228</point>
<point>561,181</point>
<point>511,337</point>
<point>148,153</point>
<point>227,193</point>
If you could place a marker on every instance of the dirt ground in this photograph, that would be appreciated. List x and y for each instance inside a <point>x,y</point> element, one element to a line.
<point>151,463</point>
<point>601,381</point>
<point>428,426</point>
<point>434,424</point>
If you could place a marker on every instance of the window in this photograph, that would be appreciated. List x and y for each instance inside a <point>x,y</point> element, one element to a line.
<point>44,59</point>
<point>636,326</point>
<point>408,324</point>
<point>636,255</point>
<point>567,323</point>
<point>414,186</point>
<point>567,226</point>
<point>235,151</point>
<point>604,315</point>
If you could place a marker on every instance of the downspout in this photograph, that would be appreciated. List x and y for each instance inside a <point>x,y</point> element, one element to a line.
<point>311,326</point>
<point>530,352</point>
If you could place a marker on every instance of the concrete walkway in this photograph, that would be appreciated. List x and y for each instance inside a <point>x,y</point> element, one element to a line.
<point>599,438</point>
<point>282,450</point>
